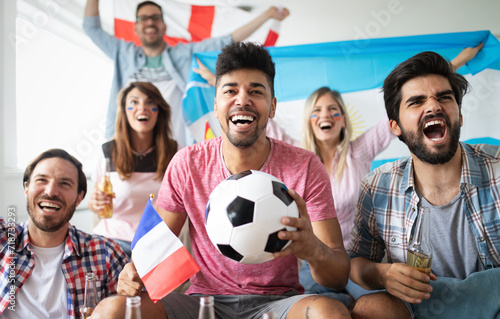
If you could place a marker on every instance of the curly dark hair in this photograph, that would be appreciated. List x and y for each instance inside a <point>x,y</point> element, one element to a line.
<point>422,64</point>
<point>245,55</point>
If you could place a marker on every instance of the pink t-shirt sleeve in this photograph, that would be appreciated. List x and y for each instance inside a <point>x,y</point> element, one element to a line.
<point>171,190</point>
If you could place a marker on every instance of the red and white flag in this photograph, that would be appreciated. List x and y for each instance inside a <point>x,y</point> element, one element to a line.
<point>194,21</point>
<point>162,261</point>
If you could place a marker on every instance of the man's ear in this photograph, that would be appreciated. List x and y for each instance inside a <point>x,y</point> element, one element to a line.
<point>26,189</point>
<point>461,120</point>
<point>272,113</point>
<point>79,199</point>
<point>395,127</point>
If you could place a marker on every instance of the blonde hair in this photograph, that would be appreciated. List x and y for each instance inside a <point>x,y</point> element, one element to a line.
<point>309,142</point>
<point>164,145</point>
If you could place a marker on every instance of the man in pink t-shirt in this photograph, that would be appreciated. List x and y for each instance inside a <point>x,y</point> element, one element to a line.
<point>244,103</point>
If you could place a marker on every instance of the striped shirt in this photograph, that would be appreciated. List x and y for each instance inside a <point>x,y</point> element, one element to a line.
<point>387,207</point>
<point>82,253</point>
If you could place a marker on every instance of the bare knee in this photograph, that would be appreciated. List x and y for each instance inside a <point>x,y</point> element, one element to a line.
<point>114,308</point>
<point>379,305</point>
<point>318,307</point>
<point>111,307</point>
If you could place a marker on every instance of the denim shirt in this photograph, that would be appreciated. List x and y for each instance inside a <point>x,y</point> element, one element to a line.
<point>387,207</point>
<point>128,58</point>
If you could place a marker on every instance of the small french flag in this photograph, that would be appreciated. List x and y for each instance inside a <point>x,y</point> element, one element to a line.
<point>162,261</point>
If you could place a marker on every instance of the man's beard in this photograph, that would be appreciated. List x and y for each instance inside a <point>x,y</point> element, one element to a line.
<point>152,44</point>
<point>416,145</point>
<point>246,140</point>
<point>46,224</point>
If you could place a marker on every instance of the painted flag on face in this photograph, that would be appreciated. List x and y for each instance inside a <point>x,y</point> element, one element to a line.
<point>161,260</point>
<point>192,21</point>
<point>357,69</point>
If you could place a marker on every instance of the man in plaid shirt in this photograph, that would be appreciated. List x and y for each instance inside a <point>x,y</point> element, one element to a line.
<point>43,262</point>
<point>460,183</point>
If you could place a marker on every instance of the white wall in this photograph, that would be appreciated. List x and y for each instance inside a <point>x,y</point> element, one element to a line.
<point>336,20</point>
<point>7,108</point>
<point>310,22</point>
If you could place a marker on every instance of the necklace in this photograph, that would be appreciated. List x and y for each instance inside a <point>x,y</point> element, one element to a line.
<point>140,155</point>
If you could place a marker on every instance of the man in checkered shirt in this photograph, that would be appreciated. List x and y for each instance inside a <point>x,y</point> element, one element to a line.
<point>43,262</point>
<point>458,182</point>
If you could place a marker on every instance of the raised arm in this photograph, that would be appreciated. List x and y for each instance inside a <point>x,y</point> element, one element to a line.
<point>465,56</point>
<point>205,73</point>
<point>92,8</point>
<point>246,30</point>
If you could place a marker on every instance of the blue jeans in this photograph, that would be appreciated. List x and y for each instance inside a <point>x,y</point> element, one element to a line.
<point>477,296</point>
<point>312,287</point>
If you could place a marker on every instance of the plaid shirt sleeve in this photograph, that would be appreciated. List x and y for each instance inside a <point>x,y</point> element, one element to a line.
<point>365,239</point>
<point>384,213</point>
<point>16,262</point>
<point>90,253</point>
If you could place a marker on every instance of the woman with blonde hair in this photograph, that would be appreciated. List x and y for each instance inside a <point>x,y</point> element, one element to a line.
<point>140,152</point>
<point>327,132</point>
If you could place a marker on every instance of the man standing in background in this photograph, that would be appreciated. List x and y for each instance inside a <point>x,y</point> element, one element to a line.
<point>165,66</point>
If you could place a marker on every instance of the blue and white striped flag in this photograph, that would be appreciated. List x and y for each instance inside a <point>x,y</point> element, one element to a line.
<point>357,69</point>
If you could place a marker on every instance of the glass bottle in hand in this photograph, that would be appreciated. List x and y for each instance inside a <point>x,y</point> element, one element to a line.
<point>106,187</point>
<point>419,249</point>
<point>90,298</point>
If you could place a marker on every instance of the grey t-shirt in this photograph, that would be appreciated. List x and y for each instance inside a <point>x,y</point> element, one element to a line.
<point>454,251</point>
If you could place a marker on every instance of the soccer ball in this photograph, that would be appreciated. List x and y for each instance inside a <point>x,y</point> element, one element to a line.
<point>243,216</point>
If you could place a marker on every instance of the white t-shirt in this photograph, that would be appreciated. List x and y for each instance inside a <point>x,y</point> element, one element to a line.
<point>45,292</point>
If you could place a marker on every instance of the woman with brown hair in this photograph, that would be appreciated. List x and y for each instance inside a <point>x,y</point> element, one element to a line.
<point>139,154</point>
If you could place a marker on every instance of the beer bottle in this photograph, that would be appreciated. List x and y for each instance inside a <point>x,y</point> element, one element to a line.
<point>419,248</point>
<point>106,187</point>
<point>206,308</point>
<point>90,298</point>
<point>133,310</point>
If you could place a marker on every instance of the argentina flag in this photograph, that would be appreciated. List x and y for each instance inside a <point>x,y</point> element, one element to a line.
<point>357,69</point>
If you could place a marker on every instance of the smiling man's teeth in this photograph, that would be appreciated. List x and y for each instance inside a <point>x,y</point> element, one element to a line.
<point>49,206</point>
<point>242,119</point>
<point>435,122</point>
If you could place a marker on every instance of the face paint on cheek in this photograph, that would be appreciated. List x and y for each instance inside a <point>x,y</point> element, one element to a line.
<point>154,109</point>
<point>130,108</point>
<point>314,118</point>
<point>337,116</point>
